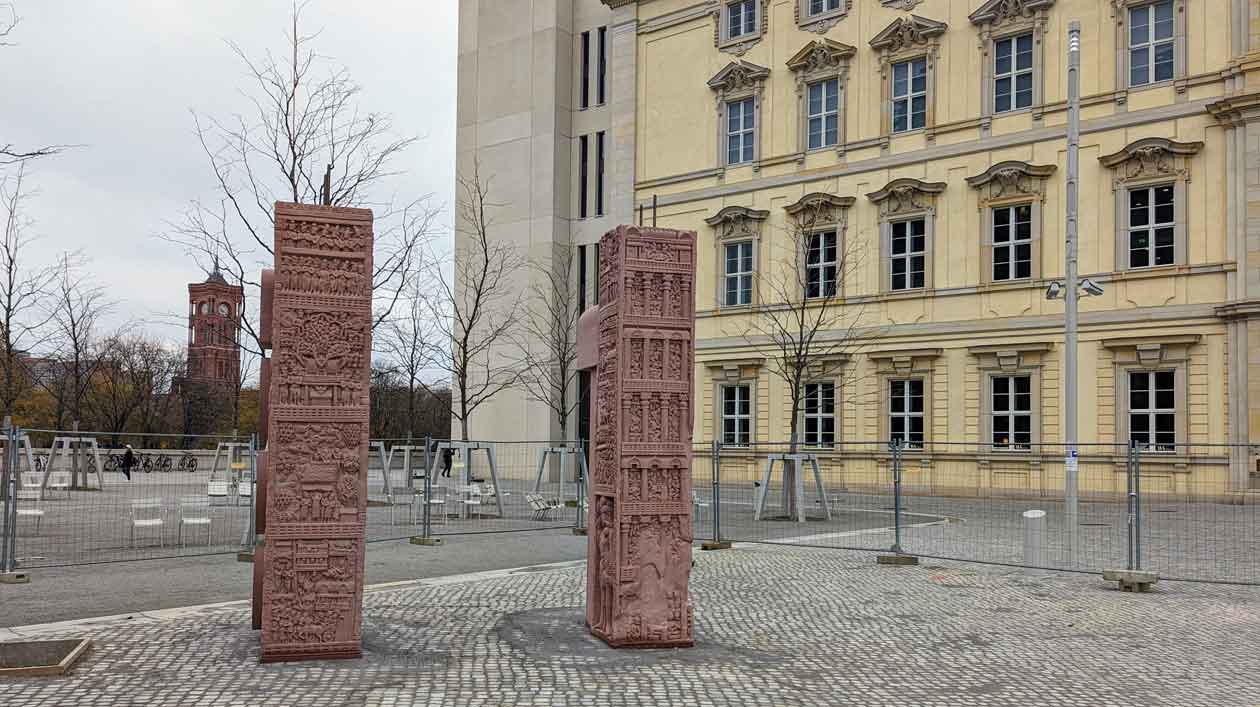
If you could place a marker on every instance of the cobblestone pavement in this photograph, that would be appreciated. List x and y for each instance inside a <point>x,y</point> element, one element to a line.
<point>774,626</point>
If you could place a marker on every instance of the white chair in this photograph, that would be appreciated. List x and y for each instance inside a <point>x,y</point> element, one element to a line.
<point>471,498</point>
<point>244,489</point>
<point>59,481</point>
<point>541,508</point>
<point>404,497</point>
<point>217,489</point>
<point>697,505</point>
<point>28,499</point>
<point>146,513</point>
<point>194,510</point>
<point>437,505</point>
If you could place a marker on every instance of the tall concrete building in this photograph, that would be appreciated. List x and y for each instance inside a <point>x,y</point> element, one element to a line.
<point>905,160</point>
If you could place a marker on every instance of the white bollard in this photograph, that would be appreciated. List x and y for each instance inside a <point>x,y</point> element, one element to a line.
<point>1035,538</point>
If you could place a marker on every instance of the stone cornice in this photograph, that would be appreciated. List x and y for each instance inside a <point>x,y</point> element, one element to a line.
<point>906,32</point>
<point>737,75</point>
<point>999,11</point>
<point>820,52</point>
<point>1144,148</point>
<point>904,185</point>
<point>1135,341</point>
<point>1030,347</point>
<point>905,353</point>
<point>1010,169</point>
<point>1244,309</point>
<point>819,199</point>
<point>1236,110</point>
<point>732,214</point>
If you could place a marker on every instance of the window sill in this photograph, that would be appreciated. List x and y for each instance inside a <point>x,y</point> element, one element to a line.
<point>1012,112</point>
<point>1166,83</point>
<point>735,308</point>
<point>913,131</point>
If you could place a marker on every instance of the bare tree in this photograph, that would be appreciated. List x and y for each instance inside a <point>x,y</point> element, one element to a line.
<point>549,371</point>
<point>131,389</point>
<point>75,308</point>
<point>306,140</point>
<point>407,341</point>
<point>10,154</point>
<point>803,319</point>
<point>474,308</point>
<point>23,289</point>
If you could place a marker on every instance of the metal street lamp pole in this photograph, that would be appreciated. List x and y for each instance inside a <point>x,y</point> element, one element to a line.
<point>1070,287</point>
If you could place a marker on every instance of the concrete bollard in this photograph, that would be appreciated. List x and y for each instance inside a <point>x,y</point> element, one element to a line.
<point>1035,538</point>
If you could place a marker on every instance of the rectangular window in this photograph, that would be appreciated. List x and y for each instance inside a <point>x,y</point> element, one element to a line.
<point>739,272</point>
<point>1151,43</point>
<point>581,279</point>
<point>824,113</point>
<point>1012,412</point>
<point>583,173</point>
<point>585,100</point>
<point>818,7</point>
<point>820,265</point>
<point>595,285</point>
<point>1153,409</point>
<point>736,415</point>
<point>909,95</point>
<point>740,125</point>
<point>599,173</point>
<point>909,254</point>
<point>820,414</point>
<point>1012,73</point>
<point>1152,213</point>
<point>741,18</point>
<point>905,411</point>
<point>1012,242</point>
<point>601,75</point>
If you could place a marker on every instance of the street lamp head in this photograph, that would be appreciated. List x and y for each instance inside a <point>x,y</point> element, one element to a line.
<point>1091,288</point>
<point>1054,290</point>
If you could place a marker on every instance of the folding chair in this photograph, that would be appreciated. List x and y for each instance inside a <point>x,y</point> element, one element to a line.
<point>404,497</point>
<point>146,513</point>
<point>216,489</point>
<point>471,498</point>
<point>244,489</point>
<point>697,505</point>
<point>30,492</point>
<point>437,505</point>
<point>59,481</point>
<point>194,510</point>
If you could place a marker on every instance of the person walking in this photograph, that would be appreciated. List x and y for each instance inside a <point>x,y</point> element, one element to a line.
<point>128,461</point>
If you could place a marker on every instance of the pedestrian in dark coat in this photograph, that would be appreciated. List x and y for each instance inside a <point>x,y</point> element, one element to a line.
<point>128,461</point>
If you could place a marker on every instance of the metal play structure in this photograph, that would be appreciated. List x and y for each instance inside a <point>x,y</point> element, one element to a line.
<point>68,449</point>
<point>563,453</point>
<point>464,489</point>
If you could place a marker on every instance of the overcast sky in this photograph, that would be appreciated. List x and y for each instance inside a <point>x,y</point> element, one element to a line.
<point>120,77</point>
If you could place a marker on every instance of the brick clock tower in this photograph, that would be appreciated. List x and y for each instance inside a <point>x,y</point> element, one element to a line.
<point>214,324</point>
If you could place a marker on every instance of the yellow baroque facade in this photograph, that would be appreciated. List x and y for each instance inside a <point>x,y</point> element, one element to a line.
<point>930,135</point>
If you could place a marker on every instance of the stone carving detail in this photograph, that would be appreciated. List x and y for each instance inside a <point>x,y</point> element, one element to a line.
<point>640,541</point>
<point>996,13</point>
<point>819,209</point>
<point>739,78</point>
<point>737,222</point>
<point>910,32</point>
<point>1151,157</point>
<point>904,195</point>
<point>906,5</point>
<point>318,326</point>
<point>1010,179</point>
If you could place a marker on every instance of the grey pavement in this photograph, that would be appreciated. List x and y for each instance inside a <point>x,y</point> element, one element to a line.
<point>64,593</point>
<point>774,626</point>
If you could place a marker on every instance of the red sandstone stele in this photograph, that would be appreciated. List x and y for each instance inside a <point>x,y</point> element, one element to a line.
<point>639,544</point>
<point>317,316</point>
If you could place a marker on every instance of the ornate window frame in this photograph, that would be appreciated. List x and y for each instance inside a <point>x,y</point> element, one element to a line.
<point>736,224</point>
<point>738,46</point>
<point>1144,163</point>
<point>826,369</point>
<point>735,82</point>
<point>821,60</point>
<point>727,373</point>
<point>897,365</point>
<point>823,21</point>
<point>1023,359</point>
<point>905,39</point>
<point>1153,354</point>
<point>1120,13</point>
<point>905,199</point>
<point>818,212</point>
<point>1003,19</point>
<point>1010,183</point>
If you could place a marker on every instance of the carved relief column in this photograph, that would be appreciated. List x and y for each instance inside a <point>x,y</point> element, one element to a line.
<point>317,431</point>
<point>639,547</point>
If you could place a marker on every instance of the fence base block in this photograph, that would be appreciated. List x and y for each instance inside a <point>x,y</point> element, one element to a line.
<point>14,578</point>
<point>896,560</point>
<point>579,531</point>
<point>427,542</point>
<point>245,556</point>
<point>1131,580</point>
<point>715,545</point>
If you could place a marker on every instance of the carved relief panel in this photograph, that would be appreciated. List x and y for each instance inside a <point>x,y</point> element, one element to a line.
<point>640,496</point>
<point>319,328</point>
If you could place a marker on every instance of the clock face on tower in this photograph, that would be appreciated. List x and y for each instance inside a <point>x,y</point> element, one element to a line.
<point>205,308</point>
<point>223,309</point>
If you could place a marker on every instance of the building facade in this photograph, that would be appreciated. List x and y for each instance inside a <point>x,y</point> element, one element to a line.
<point>909,156</point>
